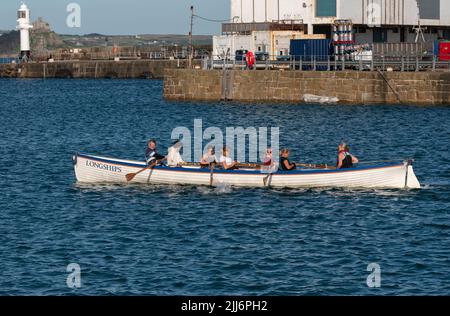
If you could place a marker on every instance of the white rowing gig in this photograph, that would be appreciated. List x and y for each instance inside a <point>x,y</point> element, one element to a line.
<point>96,169</point>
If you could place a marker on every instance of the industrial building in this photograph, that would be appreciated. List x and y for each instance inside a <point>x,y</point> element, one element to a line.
<point>374,21</point>
<point>274,43</point>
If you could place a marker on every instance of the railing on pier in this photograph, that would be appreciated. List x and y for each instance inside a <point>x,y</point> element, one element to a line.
<point>119,52</point>
<point>111,56</point>
<point>425,62</point>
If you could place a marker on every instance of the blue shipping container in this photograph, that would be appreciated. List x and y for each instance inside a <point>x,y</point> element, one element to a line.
<point>308,49</point>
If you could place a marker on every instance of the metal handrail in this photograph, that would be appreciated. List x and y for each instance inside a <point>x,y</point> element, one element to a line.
<point>331,63</point>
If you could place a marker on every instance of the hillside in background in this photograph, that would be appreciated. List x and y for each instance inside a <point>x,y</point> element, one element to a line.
<point>41,36</point>
<point>44,39</point>
<point>9,42</point>
<point>96,40</point>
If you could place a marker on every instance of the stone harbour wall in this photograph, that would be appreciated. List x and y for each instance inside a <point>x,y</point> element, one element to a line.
<point>350,87</point>
<point>8,71</point>
<point>132,69</point>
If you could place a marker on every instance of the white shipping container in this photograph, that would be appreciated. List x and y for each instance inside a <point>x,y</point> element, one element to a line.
<point>281,42</point>
<point>275,43</point>
<point>225,46</point>
<point>270,10</point>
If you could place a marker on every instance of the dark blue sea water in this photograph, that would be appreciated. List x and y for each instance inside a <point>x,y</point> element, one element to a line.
<point>200,241</point>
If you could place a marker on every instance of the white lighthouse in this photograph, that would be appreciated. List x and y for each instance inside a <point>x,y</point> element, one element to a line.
<point>24,26</point>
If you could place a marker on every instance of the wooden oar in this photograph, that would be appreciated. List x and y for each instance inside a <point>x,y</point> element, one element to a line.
<point>316,166</point>
<point>239,165</point>
<point>131,176</point>
<point>258,166</point>
<point>211,177</point>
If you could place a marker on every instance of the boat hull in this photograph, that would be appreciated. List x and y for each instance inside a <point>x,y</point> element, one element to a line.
<point>96,169</point>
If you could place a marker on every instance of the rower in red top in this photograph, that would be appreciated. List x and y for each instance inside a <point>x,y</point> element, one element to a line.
<point>267,161</point>
<point>345,158</point>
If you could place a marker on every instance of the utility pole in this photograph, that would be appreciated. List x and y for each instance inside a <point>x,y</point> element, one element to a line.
<point>253,4</point>
<point>265,10</point>
<point>278,8</point>
<point>191,45</point>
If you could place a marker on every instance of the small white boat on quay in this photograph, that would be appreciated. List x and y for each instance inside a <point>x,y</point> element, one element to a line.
<point>97,169</point>
<point>311,98</point>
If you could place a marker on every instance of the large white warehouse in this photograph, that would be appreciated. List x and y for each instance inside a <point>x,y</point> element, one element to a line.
<point>374,20</point>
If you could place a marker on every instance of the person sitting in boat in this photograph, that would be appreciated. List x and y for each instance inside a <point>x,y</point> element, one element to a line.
<point>209,157</point>
<point>345,159</point>
<point>269,165</point>
<point>151,154</point>
<point>267,160</point>
<point>173,156</point>
<point>285,164</point>
<point>226,161</point>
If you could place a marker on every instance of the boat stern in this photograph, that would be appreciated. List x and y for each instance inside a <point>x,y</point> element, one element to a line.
<point>411,180</point>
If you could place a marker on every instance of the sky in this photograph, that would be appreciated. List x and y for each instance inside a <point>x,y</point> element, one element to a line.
<point>122,17</point>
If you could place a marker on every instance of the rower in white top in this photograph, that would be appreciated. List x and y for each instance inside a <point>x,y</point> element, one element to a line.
<point>227,162</point>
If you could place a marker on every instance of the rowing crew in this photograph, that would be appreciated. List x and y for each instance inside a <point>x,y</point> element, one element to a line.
<point>152,157</point>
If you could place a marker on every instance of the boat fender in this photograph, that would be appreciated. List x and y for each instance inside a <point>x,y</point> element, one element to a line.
<point>75,159</point>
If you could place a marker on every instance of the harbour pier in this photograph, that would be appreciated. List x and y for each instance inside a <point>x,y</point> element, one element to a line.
<point>93,69</point>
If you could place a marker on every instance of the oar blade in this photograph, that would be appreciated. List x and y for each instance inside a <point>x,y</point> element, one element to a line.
<point>130,176</point>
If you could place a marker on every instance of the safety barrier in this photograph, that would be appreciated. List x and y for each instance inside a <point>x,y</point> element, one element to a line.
<point>426,62</point>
